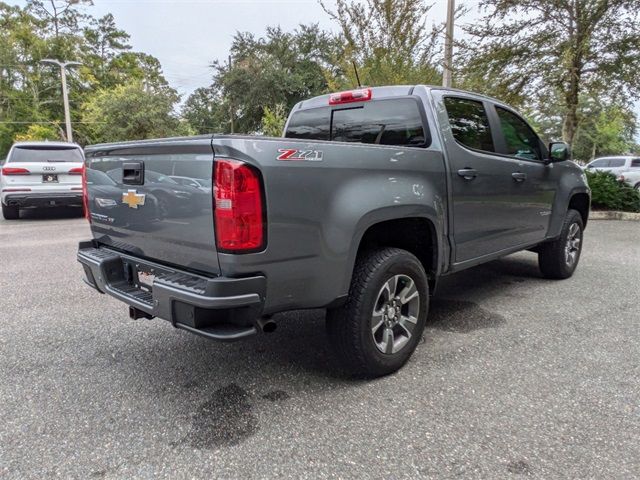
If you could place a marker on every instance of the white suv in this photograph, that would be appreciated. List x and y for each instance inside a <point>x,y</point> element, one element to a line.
<point>41,174</point>
<point>614,165</point>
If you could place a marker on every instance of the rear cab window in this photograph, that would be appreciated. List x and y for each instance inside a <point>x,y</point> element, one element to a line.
<point>390,121</point>
<point>39,153</point>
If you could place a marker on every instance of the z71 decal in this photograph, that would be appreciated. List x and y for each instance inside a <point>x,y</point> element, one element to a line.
<point>299,155</point>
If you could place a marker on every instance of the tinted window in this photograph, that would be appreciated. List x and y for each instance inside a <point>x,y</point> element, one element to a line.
<point>469,123</point>
<point>520,139</point>
<point>603,162</point>
<point>384,122</point>
<point>46,154</point>
<point>616,162</point>
<point>635,163</point>
<point>312,124</point>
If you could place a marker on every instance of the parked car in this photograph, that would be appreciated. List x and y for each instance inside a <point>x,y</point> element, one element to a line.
<point>41,174</point>
<point>370,198</point>
<point>201,183</point>
<point>614,165</point>
<point>632,177</point>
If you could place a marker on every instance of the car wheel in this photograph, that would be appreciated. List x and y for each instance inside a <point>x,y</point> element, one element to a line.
<point>559,259</point>
<point>637,187</point>
<point>10,212</point>
<point>380,325</point>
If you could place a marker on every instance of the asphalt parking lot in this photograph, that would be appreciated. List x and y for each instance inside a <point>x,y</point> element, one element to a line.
<point>517,376</point>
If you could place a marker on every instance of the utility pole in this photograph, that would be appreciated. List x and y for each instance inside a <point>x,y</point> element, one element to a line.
<point>65,95</point>
<point>448,45</point>
<point>231,105</point>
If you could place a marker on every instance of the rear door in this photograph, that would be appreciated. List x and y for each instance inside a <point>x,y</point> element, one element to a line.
<point>135,205</point>
<point>484,210</point>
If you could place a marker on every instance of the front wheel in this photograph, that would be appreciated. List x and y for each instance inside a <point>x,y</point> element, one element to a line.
<point>559,259</point>
<point>379,327</point>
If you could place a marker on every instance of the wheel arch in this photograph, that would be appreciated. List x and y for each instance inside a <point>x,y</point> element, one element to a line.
<point>402,228</point>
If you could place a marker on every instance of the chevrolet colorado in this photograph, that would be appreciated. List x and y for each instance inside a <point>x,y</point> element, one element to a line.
<point>369,198</point>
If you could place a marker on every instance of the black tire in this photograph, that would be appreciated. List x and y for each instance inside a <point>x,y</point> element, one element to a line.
<point>637,187</point>
<point>10,212</point>
<point>350,326</point>
<point>554,257</point>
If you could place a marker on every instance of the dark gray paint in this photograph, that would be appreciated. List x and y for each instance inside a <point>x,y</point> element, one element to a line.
<point>317,212</point>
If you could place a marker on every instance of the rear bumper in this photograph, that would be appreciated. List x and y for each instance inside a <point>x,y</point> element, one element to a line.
<point>219,308</point>
<point>26,200</point>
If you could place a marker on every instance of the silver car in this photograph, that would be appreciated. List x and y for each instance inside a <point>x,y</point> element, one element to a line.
<point>614,165</point>
<point>632,177</point>
<point>41,174</point>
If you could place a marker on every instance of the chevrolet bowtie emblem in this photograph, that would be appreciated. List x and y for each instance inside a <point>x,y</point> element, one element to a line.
<point>133,199</point>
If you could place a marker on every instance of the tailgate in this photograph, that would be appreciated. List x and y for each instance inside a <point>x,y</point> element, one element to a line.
<point>153,200</point>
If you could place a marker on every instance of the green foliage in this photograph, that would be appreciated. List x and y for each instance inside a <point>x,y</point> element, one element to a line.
<point>610,194</point>
<point>555,55</point>
<point>387,40</point>
<point>39,131</point>
<point>273,120</point>
<point>31,92</point>
<point>131,112</point>
<point>282,68</point>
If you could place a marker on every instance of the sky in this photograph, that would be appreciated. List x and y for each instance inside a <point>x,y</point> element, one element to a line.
<point>187,35</point>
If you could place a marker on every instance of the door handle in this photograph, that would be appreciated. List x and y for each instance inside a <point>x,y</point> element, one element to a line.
<point>468,173</point>
<point>519,176</point>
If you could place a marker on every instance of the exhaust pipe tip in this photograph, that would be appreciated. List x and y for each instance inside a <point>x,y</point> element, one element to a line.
<point>267,325</point>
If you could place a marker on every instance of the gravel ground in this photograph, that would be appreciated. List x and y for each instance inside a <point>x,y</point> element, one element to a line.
<point>517,377</point>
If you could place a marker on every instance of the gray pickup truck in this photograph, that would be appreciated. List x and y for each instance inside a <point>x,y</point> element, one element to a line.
<point>369,198</point>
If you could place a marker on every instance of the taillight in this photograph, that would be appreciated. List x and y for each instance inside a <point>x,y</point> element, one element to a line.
<point>15,171</point>
<point>351,96</point>
<point>238,207</point>
<point>85,194</point>
<point>76,171</point>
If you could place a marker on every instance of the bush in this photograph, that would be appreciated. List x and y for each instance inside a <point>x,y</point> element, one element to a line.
<point>609,194</point>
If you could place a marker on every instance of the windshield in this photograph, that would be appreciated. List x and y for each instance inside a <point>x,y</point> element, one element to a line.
<point>45,154</point>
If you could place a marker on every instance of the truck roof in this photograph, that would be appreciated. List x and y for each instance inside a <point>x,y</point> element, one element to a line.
<point>389,91</point>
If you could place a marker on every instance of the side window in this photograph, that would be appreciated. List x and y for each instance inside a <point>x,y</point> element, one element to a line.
<point>616,162</point>
<point>469,123</point>
<point>635,163</point>
<point>603,162</point>
<point>521,140</point>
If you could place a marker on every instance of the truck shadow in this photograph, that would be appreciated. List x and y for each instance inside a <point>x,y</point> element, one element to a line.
<point>300,345</point>
<point>228,385</point>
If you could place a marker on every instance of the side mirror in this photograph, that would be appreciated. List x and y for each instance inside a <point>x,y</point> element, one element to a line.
<point>559,152</point>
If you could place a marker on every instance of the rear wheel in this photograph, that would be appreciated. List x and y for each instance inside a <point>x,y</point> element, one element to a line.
<point>379,327</point>
<point>637,187</point>
<point>10,212</point>
<point>559,259</point>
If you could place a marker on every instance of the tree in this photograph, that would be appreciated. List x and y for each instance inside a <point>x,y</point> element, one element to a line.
<point>529,50</point>
<point>39,131</point>
<point>30,92</point>
<point>387,40</point>
<point>281,68</point>
<point>205,111</point>
<point>131,112</point>
<point>273,120</point>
